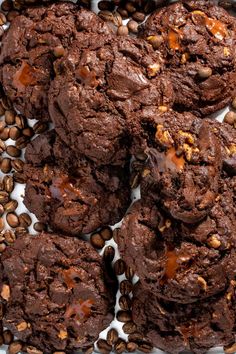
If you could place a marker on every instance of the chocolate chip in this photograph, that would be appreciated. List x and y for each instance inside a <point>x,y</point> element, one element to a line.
<point>119,267</point>
<point>120,346</point>
<point>124,316</point>
<point>97,241</point>
<point>112,336</point>
<point>125,303</point>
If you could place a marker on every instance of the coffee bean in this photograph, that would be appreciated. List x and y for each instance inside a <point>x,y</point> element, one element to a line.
<point>106,233</point>
<point>11,206</point>
<point>2,110</point>
<point>103,346</point>
<point>19,178</point>
<point>9,236</point>
<point>129,6</point>
<point>2,211</point>
<point>4,197</point>
<point>97,241</point>
<point>17,165</point>
<point>13,151</point>
<point>5,165</point>
<point>105,5</point>
<point>22,142</point>
<point>117,19</point>
<point>28,132</point>
<point>1,31</point>
<point>109,254</point>
<point>234,103</point>
<point>3,19</point>
<point>125,303</point>
<point>7,337</point>
<point>87,351</point>
<point>20,231</point>
<point>138,16</point>
<point>40,127</point>
<point>4,134</point>
<point>124,316</point>
<point>6,5</point>
<point>20,122</point>
<point>39,226</point>
<point>135,337</point>
<point>8,183</point>
<point>204,72</point>
<point>25,220</point>
<point>115,234</point>
<point>230,118</point>
<point>122,30</point>
<point>120,346</point>
<point>132,26</point>
<point>123,12</point>
<point>2,146</point>
<point>6,103</point>
<point>145,347</point>
<point>14,133</point>
<point>125,287</point>
<point>119,267</point>
<point>12,220</point>
<point>1,340</point>
<point>2,126</point>
<point>15,347</point>
<point>10,117</point>
<point>112,336</point>
<point>129,273</point>
<point>129,327</point>
<point>131,347</point>
<point>2,247</point>
<point>33,350</point>
<point>11,15</point>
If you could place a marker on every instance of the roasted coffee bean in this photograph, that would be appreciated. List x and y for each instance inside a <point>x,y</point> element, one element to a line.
<point>1,31</point>
<point>8,183</point>
<point>11,206</point>
<point>7,337</point>
<point>115,234</point>
<point>87,351</point>
<point>109,254</point>
<point>6,5</point>
<point>119,267</point>
<point>2,239</point>
<point>9,236</point>
<point>2,247</point>
<point>125,303</point>
<point>25,220</point>
<point>5,165</point>
<point>129,273</point>
<point>122,30</point>
<point>2,126</point>
<point>129,327</point>
<point>112,336</point>
<point>124,316</point>
<point>4,134</point>
<point>106,5</point>
<point>1,210</point>
<point>132,26</point>
<point>19,178</point>
<point>103,346</point>
<point>125,287</point>
<point>28,132</point>
<point>145,347</point>
<point>234,103</point>
<point>3,19</point>
<point>120,346</point>
<point>14,347</point>
<point>40,127</point>
<point>20,231</point>
<point>20,122</point>
<point>123,12</point>
<point>22,142</point>
<point>4,197</point>
<point>12,220</point>
<point>10,117</point>
<point>138,16</point>
<point>14,133</point>
<point>129,6</point>
<point>2,111</point>
<point>204,72</point>
<point>33,350</point>
<point>2,146</point>
<point>39,226</point>
<point>13,151</point>
<point>135,337</point>
<point>17,165</point>
<point>230,118</point>
<point>97,241</point>
<point>106,15</point>
<point>131,347</point>
<point>106,233</point>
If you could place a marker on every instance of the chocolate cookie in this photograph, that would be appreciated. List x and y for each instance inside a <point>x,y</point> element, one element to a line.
<point>194,327</point>
<point>184,162</point>
<point>198,41</point>
<point>34,40</point>
<point>69,192</point>
<point>181,262</point>
<point>97,86</point>
<point>54,292</point>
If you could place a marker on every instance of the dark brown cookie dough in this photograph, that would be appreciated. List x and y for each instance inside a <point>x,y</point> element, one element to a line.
<point>194,327</point>
<point>71,193</point>
<point>180,262</point>
<point>198,41</point>
<point>54,292</point>
<point>184,162</point>
<point>34,40</point>
<point>97,86</point>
